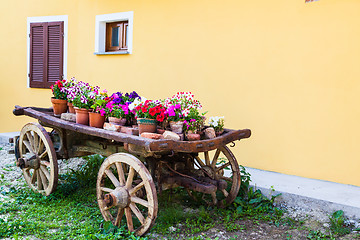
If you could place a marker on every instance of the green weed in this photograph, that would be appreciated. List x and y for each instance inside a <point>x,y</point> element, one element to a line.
<point>338,224</point>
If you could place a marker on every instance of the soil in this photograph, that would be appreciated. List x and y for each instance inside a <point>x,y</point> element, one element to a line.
<point>248,229</point>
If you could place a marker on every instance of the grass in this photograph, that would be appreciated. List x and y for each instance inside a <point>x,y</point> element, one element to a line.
<point>72,212</point>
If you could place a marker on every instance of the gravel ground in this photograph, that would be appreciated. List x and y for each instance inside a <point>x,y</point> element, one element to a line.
<point>313,219</point>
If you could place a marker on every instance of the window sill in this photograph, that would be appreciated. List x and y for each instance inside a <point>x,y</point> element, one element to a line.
<point>111,53</point>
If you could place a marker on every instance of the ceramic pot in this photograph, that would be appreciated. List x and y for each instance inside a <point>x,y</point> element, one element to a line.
<point>82,115</point>
<point>96,120</point>
<point>59,106</point>
<point>71,107</point>
<point>193,136</point>
<point>117,121</point>
<point>177,127</point>
<point>147,125</point>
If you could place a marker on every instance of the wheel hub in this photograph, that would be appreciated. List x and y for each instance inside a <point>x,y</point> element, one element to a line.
<point>119,197</point>
<point>33,162</point>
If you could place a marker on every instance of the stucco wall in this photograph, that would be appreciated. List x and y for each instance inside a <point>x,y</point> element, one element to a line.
<point>285,69</point>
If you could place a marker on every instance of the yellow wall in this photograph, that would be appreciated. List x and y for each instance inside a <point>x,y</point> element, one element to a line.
<point>285,69</point>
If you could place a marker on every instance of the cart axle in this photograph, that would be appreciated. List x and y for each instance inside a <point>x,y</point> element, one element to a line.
<point>206,185</point>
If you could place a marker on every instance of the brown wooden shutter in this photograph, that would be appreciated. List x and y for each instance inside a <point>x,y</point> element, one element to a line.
<point>46,53</point>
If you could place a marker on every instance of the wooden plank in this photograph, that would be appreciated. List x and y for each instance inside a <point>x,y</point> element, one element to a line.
<point>150,145</point>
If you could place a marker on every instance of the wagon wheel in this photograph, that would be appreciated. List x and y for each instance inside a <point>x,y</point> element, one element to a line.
<point>37,159</point>
<point>222,166</point>
<point>125,186</point>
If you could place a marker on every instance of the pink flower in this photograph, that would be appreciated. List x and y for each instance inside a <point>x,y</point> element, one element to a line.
<point>102,112</point>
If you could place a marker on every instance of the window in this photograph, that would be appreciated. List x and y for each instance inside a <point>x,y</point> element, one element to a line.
<point>113,33</point>
<point>116,36</point>
<point>46,52</point>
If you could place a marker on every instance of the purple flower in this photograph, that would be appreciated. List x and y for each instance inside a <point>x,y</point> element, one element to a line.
<point>83,99</point>
<point>193,120</point>
<point>177,106</point>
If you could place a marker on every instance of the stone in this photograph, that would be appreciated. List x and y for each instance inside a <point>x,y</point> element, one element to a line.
<point>112,127</point>
<point>129,130</point>
<point>209,133</point>
<point>171,135</point>
<point>151,135</point>
<point>71,117</point>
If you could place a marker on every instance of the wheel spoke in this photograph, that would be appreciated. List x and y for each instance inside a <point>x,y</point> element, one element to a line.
<point>119,216</point>
<point>136,188</point>
<point>130,178</point>
<point>46,172</point>
<point>225,192</point>
<point>30,138</point>
<point>44,154</point>
<point>45,163</point>
<point>28,146</point>
<point>36,143</point>
<point>216,156</point>
<point>33,177</point>
<point>129,219</point>
<point>105,189</point>
<point>140,201</point>
<point>112,177</point>
<point>226,178</point>
<point>207,159</point>
<point>137,213</point>
<point>199,161</point>
<point>43,180</point>
<point>38,180</point>
<point>40,146</point>
<point>120,173</point>
<point>222,167</point>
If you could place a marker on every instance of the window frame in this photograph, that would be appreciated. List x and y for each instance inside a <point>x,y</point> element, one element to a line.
<point>122,36</point>
<point>60,18</point>
<point>100,32</point>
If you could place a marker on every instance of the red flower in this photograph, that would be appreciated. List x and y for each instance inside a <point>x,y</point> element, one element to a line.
<point>144,109</point>
<point>160,117</point>
<point>152,111</point>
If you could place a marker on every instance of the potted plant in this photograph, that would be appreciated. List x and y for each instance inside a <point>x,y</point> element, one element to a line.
<point>97,116</point>
<point>69,85</point>
<point>118,109</point>
<point>59,101</point>
<point>218,124</point>
<point>193,123</point>
<point>84,97</point>
<point>178,107</point>
<point>148,114</point>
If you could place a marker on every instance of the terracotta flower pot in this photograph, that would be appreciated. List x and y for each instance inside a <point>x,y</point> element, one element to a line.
<point>71,107</point>
<point>147,125</point>
<point>177,127</point>
<point>193,136</point>
<point>117,121</point>
<point>82,115</point>
<point>96,120</point>
<point>59,106</point>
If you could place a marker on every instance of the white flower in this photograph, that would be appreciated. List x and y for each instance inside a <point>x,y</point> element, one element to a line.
<point>137,101</point>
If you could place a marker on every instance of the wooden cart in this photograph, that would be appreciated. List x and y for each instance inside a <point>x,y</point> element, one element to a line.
<point>135,169</point>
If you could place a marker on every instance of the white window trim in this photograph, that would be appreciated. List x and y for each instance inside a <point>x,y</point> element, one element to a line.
<point>100,30</point>
<point>60,18</point>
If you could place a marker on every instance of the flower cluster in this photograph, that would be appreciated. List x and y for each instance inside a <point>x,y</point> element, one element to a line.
<point>82,94</point>
<point>119,105</point>
<point>59,89</point>
<point>152,110</point>
<point>217,123</point>
<point>100,102</point>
